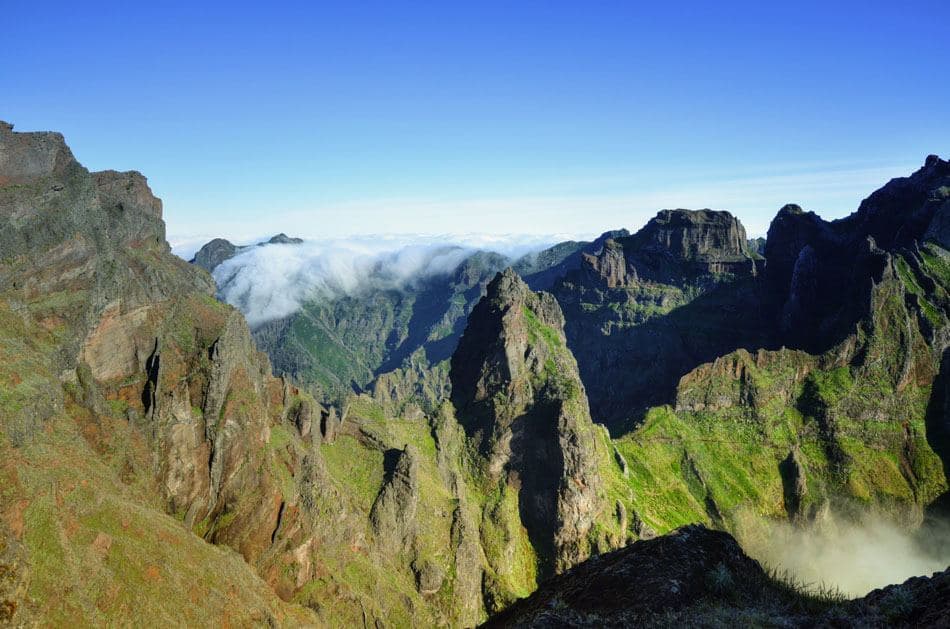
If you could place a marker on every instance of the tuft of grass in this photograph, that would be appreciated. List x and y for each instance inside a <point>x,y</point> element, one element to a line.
<point>808,598</point>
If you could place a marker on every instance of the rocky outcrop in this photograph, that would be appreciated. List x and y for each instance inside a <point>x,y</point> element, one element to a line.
<point>519,398</point>
<point>676,246</point>
<point>794,483</point>
<point>645,580</point>
<point>540,270</point>
<point>695,576</point>
<point>394,511</point>
<point>736,381</point>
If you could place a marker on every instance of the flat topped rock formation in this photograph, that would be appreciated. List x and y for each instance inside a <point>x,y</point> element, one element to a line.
<point>694,235</point>
<point>25,157</point>
<point>675,247</point>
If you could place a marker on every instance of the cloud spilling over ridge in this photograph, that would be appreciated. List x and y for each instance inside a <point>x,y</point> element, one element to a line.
<point>854,557</point>
<point>273,281</point>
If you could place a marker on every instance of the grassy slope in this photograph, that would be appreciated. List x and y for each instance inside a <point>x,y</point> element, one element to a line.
<point>78,495</point>
<point>721,465</point>
<point>384,584</point>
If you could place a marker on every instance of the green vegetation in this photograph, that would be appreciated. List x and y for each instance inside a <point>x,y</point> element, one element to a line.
<point>538,331</point>
<point>359,469</point>
<point>513,560</point>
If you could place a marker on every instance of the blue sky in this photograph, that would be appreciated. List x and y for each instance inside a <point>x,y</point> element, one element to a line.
<point>331,119</point>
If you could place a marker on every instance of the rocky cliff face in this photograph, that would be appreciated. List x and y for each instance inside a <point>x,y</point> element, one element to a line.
<point>142,330</point>
<point>675,294</point>
<point>519,397</point>
<point>821,273</point>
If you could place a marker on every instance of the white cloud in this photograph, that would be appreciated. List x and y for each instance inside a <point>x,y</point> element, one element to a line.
<point>273,281</point>
<point>851,555</point>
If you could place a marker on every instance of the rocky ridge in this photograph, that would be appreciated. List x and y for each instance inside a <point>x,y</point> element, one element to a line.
<point>119,349</point>
<point>218,250</point>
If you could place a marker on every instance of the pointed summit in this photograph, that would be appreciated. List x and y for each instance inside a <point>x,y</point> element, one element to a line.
<point>519,397</point>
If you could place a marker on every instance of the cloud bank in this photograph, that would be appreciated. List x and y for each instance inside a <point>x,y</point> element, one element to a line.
<point>274,281</point>
<point>854,557</point>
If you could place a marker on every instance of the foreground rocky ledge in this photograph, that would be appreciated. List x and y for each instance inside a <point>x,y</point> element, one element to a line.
<point>699,577</point>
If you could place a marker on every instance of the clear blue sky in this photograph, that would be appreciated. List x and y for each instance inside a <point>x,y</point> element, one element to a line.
<point>531,117</point>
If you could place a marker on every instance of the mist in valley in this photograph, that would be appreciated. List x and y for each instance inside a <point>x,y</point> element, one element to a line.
<point>852,555</point>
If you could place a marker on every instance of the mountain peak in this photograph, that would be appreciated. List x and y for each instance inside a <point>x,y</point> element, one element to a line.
<point>519,396</point>
<point>284,239</point>
<point>214,253</point>
<point>506,286</point>
<point>791,208</point>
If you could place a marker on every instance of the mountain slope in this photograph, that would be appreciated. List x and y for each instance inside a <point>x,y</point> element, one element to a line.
<point>105,344</point>
<point>851,428</point>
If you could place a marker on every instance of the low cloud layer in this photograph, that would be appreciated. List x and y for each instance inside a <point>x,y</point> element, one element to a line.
<point>854,557</point>
<point>273,281</point>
